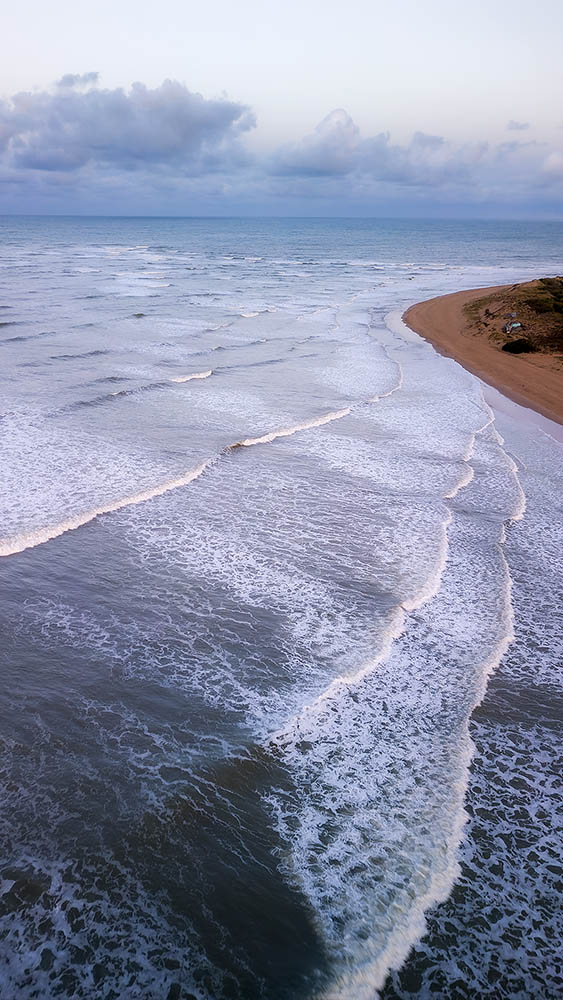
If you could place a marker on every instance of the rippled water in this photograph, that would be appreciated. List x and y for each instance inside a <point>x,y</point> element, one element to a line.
<point>264,550</point>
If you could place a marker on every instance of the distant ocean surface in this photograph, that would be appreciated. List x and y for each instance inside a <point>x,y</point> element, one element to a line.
<point>281,619</point>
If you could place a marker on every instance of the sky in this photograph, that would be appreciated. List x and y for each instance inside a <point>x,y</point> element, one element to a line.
<point>302,108</point>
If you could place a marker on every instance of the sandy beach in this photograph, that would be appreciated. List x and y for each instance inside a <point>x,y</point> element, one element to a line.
<point>534,380</point>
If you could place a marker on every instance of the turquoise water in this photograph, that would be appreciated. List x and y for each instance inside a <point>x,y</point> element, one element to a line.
<point>262,551</point>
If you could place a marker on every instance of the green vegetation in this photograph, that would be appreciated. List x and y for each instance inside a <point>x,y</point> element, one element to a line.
<point>536,305</point>
<point>549,296</point>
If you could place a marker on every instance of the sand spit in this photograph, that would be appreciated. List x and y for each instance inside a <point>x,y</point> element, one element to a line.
<point>467,326</point>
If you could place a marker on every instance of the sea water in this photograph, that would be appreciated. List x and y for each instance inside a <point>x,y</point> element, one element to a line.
<point>281,657</point>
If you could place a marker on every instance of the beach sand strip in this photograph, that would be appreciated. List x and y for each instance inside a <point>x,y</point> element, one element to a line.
<point>534,380</point>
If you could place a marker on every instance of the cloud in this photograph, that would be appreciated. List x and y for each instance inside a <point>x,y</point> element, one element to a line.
<point>337,149</point>
<point>336,164</point>
<point>329,150</point>
<point>73,128</point>
<point>169,150</point>
<point>515,126</point>
<point>78,79</point>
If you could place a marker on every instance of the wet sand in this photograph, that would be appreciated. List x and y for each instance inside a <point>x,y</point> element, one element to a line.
<point>533,380</point>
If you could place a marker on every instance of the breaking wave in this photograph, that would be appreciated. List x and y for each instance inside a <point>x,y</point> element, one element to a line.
<point>26,540</point>
<point>188,378</point>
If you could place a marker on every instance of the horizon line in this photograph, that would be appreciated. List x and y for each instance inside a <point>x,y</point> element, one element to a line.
<point>311,218</point>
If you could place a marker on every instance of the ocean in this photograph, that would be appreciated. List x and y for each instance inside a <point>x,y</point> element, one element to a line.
<point>281,619</point>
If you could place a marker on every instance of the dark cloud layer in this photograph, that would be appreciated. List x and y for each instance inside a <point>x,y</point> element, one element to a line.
<point>81,147</point>
<point>71,128</point>
<point>336,148</point>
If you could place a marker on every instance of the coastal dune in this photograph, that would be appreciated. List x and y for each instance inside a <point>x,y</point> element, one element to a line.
<point>534,380</point>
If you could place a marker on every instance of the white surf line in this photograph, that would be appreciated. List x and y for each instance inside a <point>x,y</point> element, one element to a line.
<point>432,585</point>
<point>279,737</point>
<point>370,978</point>
<point>28,540</point>
<point>395,323</point>
<point>331,307</point>
<point>325,419</point>
<point>428,590</point>
<point>288,431</point>
<point>442,884</point>
<point>365,982</point>
<point>148,387</point>
<point>471,446</point>
<point>466,478</point>
<point>384,395</point>
<point>521,503</point>
<point>18,543</point>
<point>469,473</point>
<point>188,378</point>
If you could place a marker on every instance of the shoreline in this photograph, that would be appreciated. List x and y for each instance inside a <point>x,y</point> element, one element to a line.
<point>530,380</point>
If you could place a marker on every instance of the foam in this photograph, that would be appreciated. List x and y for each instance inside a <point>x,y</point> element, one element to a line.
<point>29,539</point>
<point>378,645</point>
<point>98,903</point>
<point>319,624</point>
<point>436,670</point>
<point>502,924</point>
<point>464,480</point>
<point>195,375</point>
<point>19,543</point>
<point>326,418</point>
<point>40,535</point>
<point>357,369</point>
<point>396,388</point>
